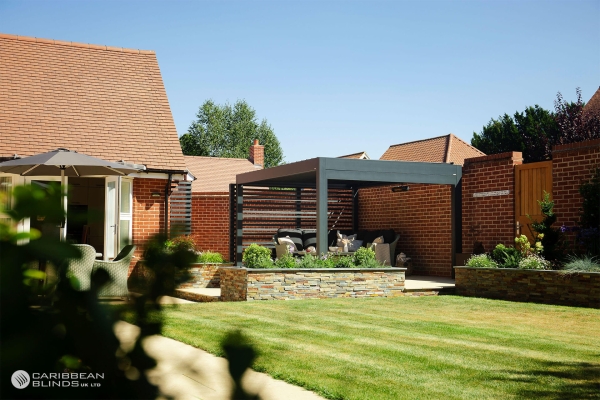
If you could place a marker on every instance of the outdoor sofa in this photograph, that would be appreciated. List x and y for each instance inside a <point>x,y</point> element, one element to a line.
<point>304,238</point>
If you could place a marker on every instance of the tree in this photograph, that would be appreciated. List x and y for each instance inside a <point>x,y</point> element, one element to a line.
<point>575,124</point>
<point>228,131</point>
<point>531,132</point>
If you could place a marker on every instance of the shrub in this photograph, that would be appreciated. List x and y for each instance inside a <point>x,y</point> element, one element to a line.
<point>344,262</point>
<point>256,256</point>
<point>524,247</point>
<point>286,261</point>
<point>551,238</point>
<point>506,257</point>
<point>481,261</point>
<point>209,257</point>
<point>582,264</point>
<point>365,258</point>
<point>534,261</point>
<point>180,243</point>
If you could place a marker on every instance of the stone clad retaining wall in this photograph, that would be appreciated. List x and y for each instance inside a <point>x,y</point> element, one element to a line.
<point>291,284</point>
<point>549,287</point>
<point>200,276</point>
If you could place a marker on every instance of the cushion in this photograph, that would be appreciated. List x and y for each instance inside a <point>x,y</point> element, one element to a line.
<point>378,240</point>
<point>287,241</point>
<point>354,245</point>
<point>294,234</point>
<point>309,238</point>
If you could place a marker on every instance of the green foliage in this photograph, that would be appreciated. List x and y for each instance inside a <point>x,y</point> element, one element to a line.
<point>183,242</point>
<point>531,132</point>
<point>506,257</point>
<point>286,261</point>
<point>534,261</point>
<point>585,263</point>
<point>524,247</point>
<point>256,256</point>
<point>550,237</point>
<point>228,131</point>
<point>344,261</point>
<point>365,258</point>
<point>481,261</point>
<point>589,222</point>
<point>210,257</point>
<point>574,123</point>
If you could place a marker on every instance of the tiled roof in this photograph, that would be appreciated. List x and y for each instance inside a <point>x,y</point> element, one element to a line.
<point>361,156</point>
<point>214,174</point>
<point>106,102</point>
<point>442,149</point>
<point>592,107</point>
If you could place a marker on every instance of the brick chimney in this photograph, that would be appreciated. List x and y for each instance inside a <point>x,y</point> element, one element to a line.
<point>257,154</point>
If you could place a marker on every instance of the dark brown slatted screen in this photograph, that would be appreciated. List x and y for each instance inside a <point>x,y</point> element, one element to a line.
<point>266,210</point>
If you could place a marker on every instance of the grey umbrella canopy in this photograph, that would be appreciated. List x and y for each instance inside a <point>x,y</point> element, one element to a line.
<point>64,162</point>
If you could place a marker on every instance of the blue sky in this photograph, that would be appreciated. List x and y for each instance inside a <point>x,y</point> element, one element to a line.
<point>338,77</point>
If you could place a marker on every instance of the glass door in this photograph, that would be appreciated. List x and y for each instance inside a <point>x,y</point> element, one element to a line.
<point>125,212</point>
<point>111,217</point>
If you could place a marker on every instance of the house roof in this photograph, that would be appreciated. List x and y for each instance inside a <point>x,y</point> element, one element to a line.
<point>361,156</point>
<point>214,174</point>
<point>442,149</point>
<point>102,101</point>
<point>592,107</point>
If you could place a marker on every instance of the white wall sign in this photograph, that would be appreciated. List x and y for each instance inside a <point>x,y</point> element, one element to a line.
<point>488,194</point>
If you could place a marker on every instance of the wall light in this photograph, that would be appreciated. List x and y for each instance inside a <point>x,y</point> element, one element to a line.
<point>403,188</point>
<point>155,194</point>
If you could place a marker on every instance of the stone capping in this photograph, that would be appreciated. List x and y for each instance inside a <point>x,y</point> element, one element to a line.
<point>553,271</point>
<point>267,270</point>
<point>515,156</point>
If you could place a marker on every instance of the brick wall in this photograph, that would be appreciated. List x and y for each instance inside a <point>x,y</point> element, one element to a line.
<point>210,222</point>
<point>572,165</point>
<point>148,212</point>
<point>489,220</point>
<point>550,287</point>
<point>422,217</point>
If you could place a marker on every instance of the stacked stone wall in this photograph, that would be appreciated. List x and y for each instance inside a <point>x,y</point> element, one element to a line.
<point>549,287</point>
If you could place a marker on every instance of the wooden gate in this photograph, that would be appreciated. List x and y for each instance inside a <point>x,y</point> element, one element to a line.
<point>531,180</point>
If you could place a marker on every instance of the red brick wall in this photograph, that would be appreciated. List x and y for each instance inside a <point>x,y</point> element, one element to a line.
<point>148,212</point>
<point>210,222</point>
<point>490,220</point>
<point>422,217</point>
<point>572,165</point>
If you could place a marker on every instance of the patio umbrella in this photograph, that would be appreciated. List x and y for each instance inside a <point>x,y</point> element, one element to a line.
<point>64,162</point>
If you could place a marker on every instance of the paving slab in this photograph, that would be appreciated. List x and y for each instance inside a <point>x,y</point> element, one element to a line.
<point>427,282</point>
<point>185,372</point>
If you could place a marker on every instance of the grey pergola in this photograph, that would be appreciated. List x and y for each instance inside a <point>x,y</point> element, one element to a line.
<point>324,173</point>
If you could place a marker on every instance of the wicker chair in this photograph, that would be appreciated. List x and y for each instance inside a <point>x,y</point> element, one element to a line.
<point>81,268</point>
<point>117,270</point>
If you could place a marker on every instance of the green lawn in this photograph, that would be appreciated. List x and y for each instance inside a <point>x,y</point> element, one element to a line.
<point>442,347</point>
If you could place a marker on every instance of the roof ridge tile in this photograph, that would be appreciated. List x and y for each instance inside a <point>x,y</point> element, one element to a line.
<point>74,44</point>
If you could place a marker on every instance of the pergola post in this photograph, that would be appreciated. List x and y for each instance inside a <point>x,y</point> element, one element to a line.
<point>240,224</point>
<point>322,194</point>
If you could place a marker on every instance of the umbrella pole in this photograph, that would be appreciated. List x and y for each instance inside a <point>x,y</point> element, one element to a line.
<point>63,187</point>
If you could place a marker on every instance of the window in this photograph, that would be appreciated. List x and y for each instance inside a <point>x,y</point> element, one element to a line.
<point>125,213</point>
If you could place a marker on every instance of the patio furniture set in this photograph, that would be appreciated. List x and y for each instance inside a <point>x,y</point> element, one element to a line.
<point>85,267</point>
<point>301,241</point>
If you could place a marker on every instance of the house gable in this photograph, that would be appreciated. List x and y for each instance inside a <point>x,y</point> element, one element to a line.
<point>102,101</point>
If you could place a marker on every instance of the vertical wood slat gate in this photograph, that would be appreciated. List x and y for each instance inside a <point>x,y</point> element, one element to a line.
<point>531,180</point>
<point>266,210</point>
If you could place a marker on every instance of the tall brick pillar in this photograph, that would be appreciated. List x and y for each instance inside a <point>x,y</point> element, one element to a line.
<point>257,154</point>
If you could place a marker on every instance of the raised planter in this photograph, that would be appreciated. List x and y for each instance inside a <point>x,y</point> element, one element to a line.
<point>200,275</point>
<point>549,287</point>
<point>240,284</point>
